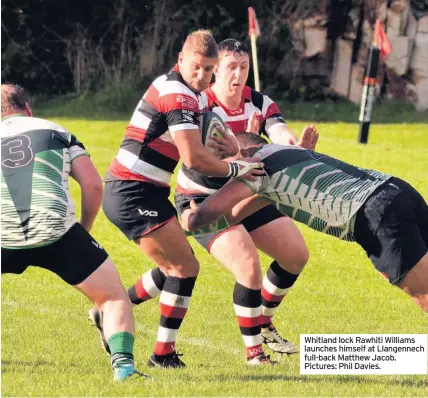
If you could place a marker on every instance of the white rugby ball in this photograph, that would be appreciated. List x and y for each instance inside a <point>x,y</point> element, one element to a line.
<point>210,123</point>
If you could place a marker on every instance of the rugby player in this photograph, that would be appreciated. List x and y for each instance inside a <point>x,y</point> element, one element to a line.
<point>385,215</point>
<point>163,129</point>
<point>254,298</point>
<point>38,223</point>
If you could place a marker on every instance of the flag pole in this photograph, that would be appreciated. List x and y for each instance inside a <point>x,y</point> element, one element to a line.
<point>369,94</point>
<point>254,32</point>
<point>381,47</point>
<point>255,62</point>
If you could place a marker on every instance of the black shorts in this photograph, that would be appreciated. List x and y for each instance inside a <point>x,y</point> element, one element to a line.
<point>73,257</point>
<point>261,217</point>
<point>392,227</point>
<point>207,235</point>
<point>137,208</point>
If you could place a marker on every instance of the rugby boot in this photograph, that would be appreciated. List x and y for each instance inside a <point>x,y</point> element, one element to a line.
<point>275,342</point>
<point>260,359</point>
<point>166,361</point>
<point>95,316</point>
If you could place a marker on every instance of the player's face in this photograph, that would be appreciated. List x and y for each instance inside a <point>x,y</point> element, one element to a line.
<point>232,72</point>
<point>196,70</point>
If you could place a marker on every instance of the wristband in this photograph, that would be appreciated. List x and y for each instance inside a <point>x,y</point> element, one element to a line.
<point>233,169</point>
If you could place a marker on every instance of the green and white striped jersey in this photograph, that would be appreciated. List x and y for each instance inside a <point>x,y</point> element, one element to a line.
<point>322,192</point>
<point>36,207</point>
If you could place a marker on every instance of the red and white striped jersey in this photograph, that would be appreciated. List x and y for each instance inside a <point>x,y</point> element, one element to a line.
<point>251,102</point>
<point>191,182</point>
<point>148,152</point>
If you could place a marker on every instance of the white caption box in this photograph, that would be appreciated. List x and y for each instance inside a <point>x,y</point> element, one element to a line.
<point>363,354</point>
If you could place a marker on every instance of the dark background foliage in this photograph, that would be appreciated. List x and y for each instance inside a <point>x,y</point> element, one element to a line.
<point>59,46</point>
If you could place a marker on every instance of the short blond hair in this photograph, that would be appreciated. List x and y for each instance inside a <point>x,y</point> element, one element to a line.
<point>202,42</point>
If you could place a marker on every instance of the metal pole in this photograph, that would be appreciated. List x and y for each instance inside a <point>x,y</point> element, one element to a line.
<point>369,94</point>
<point>255,62</point>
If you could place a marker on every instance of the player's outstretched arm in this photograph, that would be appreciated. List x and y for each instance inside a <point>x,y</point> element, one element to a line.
<point>246,208</point>
<point>86,175</point>
<point>216,205</point>
<point>281,134</point>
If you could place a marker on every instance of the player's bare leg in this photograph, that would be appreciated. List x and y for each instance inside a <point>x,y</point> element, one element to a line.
<point>281,240</point>
<point>237,252</point>
<point>235,249</point>
<point>168,248</point>
<point>104,288</point>
<point>415,283</point>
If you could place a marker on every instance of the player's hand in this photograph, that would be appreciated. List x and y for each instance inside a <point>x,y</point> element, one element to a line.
<point>309,137</point>
<point>224,147</point>
<point>253,124</point>
<point>188,214</point>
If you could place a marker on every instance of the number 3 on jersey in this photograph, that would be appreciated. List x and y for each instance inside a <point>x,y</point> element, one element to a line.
<point>16,151</point>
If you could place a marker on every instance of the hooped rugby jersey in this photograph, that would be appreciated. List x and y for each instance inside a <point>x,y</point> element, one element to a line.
<point>192,182</point>
<point>322,192</point>
<point>148,152</point>
<point>36,206</point>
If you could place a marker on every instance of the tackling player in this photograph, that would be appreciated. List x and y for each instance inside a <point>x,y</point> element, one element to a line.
<point>38,223</point>
<point>386,216</point>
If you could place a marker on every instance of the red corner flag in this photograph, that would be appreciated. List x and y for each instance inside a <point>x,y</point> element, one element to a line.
<point>381,40</point>
<point>253,25</point>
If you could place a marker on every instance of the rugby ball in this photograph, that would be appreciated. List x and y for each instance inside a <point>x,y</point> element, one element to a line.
<point>210,123</point>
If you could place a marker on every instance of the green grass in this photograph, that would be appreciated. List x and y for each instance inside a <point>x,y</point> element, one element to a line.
<point>117,102</point>
<point>49,349</point>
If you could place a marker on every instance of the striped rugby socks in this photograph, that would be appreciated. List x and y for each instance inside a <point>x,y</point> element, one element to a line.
<point>148,286</point>
<point>248,309</point>
<point>174,302</point>
<point>276,283</point>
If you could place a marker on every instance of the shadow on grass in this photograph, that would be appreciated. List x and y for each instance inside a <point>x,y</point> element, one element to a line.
<point>336,378</point>
<point>5,364</point>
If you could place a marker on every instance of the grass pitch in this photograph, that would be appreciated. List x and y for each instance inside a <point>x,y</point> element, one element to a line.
<point>49,348</point>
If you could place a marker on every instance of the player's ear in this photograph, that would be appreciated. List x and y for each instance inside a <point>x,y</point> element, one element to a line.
<point>180,58</point>
<point>28,110</point>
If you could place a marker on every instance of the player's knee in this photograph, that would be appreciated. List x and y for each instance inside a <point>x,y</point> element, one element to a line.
<point>111,293</point>
<point>179,264</point>
<point>253,280</point>
<point>189,270</point>
<point>185,269</point>
<point>295,262</point>
<point>103,284</point>
<point>302,257</point>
